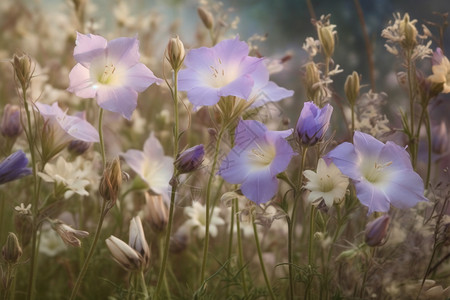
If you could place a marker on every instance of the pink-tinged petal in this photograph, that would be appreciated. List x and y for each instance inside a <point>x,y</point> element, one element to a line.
<point>372,197</point>
<point>153,148</point>
<point>231,51</point>
<point>123,51</point>
<point>88,47</point>
<point>164,171</point>
<point>395,155</point>
<point>271,92</point>
<point>80,129</point>
<point>233,167</point>
<point>135,159</point>
<point>48,110</point>
<point>247,132</point>
<point>203,95</point>
<point>121,100</point>
<point>366,145</point>
<point>198,60</point>
<point>80,82</point>
<point>405,189</point>
<point>346,159</point>
<point>260,186</point>
<point>260,76</point>
<point>241,87</point>
<point>139,78</point>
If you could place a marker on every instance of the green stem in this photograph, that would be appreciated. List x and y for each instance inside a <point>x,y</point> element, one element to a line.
<point>162,269</point>
<point>261,262</point>
<point>311,235</point>
<point>240,250</point>
<point>230,238</point>
<point>100,134</point>
<point>143,285</point>
<point>208,202</point>
<point>91,252</point>
<point>411,73</point>
<point>428,128</point>
<point>352,106</point>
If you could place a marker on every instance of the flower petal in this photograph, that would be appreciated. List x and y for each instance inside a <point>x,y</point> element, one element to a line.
<point>271,92</point>
<point>231,51</point>
<point>366,145</point>
<point>88,47</point>
<point>135,159</point>
<point>203,95</point>
<point>247,132</point>
<point>240,87</point>
<point>80,82</point>
<point>405,189</point>
<point>139,78</point>
<point>233,167</point>
<point>345,158</point>
<point>260,186</point>
<point>153,148</point>
<point>117,99</point>
<point>123,51</point>
<point>372,197</point>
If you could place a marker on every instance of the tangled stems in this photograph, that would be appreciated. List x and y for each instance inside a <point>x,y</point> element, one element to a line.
<point>103,212</point>
<point>261,261</point>
<point>174,183</point>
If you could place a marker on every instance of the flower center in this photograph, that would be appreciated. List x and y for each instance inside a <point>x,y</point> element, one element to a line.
<point>261,155</point>
<point>374,172</point>
<point>326,184</point>
<point>219,77</point>
<point>108,76</point>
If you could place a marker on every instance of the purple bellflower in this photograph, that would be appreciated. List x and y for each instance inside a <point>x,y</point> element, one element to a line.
<point>258,156</point>
<point>223,70</point>
<point>14,167</point>
<point>110,72</point>
<point>382,173</point>
<point>313,123</point>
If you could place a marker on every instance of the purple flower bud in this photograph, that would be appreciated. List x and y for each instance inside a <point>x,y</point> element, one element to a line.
<point>190,159</point>
<point>376,231</point>
<point>78,147</point>
<point>11,126</point>
<point>14,167</point>
<point>313,123</point>
<point>439,142</point>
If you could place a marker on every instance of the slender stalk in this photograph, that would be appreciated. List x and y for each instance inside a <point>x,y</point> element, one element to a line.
<point>261,262</point>
<point>312,14</point>
<point>230,238</point>
<point>143,284</point>
<point>240,250</point>
<point>428,128</point>
<point>162,269</point>
<point>208,202</point>
<point>100,134</point>
<point>311,235</point>
<point>411,73</point>
<point>90,253</point>
<point>352,106</point>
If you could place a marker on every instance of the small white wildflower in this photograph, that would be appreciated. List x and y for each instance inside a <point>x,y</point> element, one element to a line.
<point>327,183</point>
<point>197,220</point>
<point>311,46</point>
<point>23,210</point>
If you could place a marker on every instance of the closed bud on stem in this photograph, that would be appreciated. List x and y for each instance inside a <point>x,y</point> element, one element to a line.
<point>156,212</point>
<point>190,159</point>
<point>69,235</point>
<point>110,182</point>
<point>11,126</point>
<point>11,251</point>
<point>326,38</point>
<point>206,17</point>
<point>175,53</point>
<point>351,87</point>
<point>124,255</point>
<point>23,69</point>
<point>138,242</point>
<point>409,32</point>
<point>312,79</point>
<point>376,231</point>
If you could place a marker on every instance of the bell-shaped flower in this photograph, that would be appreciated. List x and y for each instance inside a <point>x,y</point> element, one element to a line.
<point>152,165</point>
<point>223,70</point>
<point>313,123</point>
<point>382,173</point>
<point>110,72</point>
<point>14,167</point>
<point>258,156</point>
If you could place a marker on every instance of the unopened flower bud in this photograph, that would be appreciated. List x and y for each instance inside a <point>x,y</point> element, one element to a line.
<point>326,38</point>
<point>11,126</point>
<point>69,235</point>
<point>351,87</point>
<point>190,159</point>
<point>22,68</point>
<point>138,242</point>
<point>111,181</point>
<point>206,17</point>
<point>313,123</point>
<point>439,141</point>
<point>312,79</point>
<point>11,251</point>
<point>78,147</point>
<point>156,212</point>
<point>376,231</point>
<point>409,32</point>
<point>124,255</point>
<point>175,53</point>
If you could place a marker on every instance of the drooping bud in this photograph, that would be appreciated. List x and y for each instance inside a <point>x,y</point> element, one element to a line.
<point>376,231</point>
<point>11,251</point>
<point>409,32</point>
<point>69,235</point>
<point>313,123</point>
<point>124,255</point>
<point>175,53</point>
<point>351,87</point>
<point>440,140</point>
<point>111,181</point>
<point>156,212</point>
<point>11,126</point>
<point>190,159</point>
<point>137,240</point>
<point>23,69</point>
<point>206,17</point>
